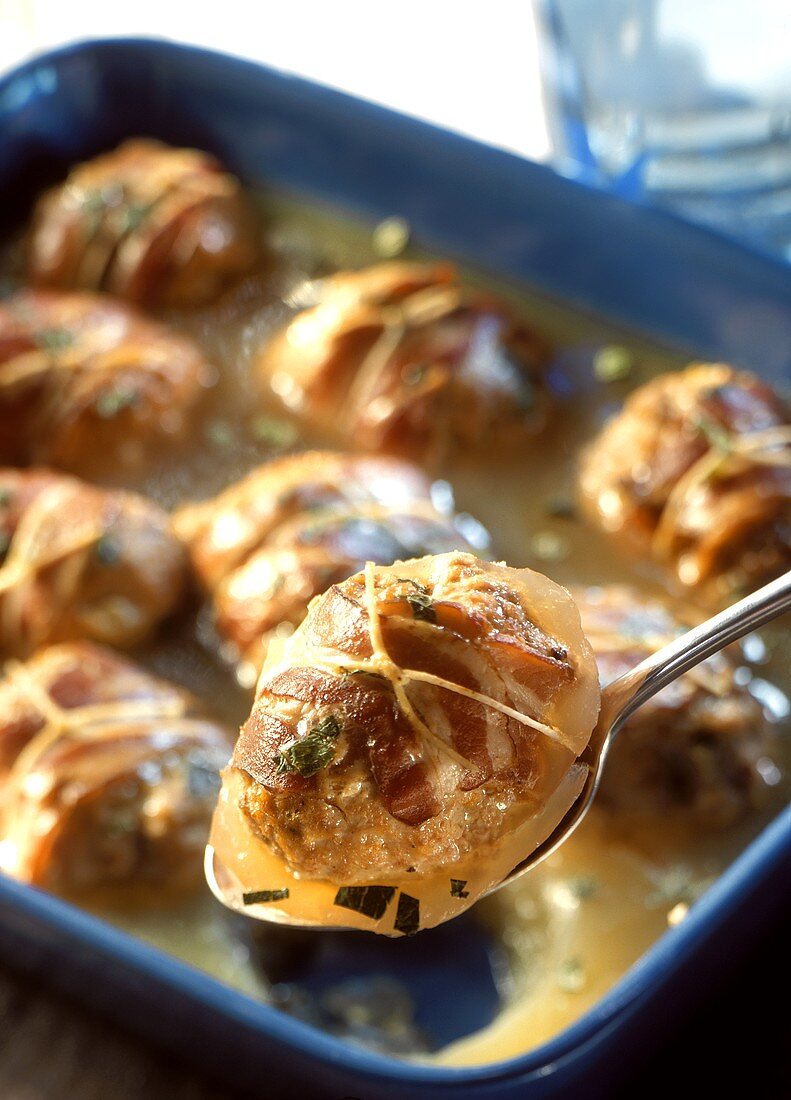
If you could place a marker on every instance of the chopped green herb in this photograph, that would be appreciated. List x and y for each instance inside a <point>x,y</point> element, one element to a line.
<point>422,607</point>
<point>5,542</point>
<point>414,373</point>
<point>310,753</point>
<point>5,497</point>
<point>134,215</point>
<point>526,393</point>
<point>584,887</point>
<point>107,550</point>
<point>113,401</point>
<point>93,202</point>
<point>371,901</point>
<point>571,976</point>
<point>613,363</point>
<point>362,672</point>
<point>122,823</point>
<point>419,601</point>
<point>548,546</point>
<point>677,884</point>
<point>391,237</point>
<point>220,433</point>
<point>54,339</point>
<point>274,433</point>
<point>561,507</point>
<point>457,888</point>
<point>715,434</point>
<point>256,897</point>
<point>407,920</point>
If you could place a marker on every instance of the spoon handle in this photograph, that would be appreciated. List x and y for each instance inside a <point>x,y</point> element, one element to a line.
<point>625,695</point>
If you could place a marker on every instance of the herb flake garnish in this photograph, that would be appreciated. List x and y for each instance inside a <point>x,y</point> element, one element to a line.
<point>107,550</point>
<point>221,433</point>
<point>407,920</point>
<point>309,754</point>
<point>110,403</point>
<point>371,901</point>
<point>571,975</point>
<point>420,602</point>
<point>561,507</point>
<point>391,237</point>
<point>5,497</point>
<point>5,543</point>
<point>613,363</point>
<point>134,215</point>
<point>584,887</point>
<point>414,374</point>
<point>717,436</point>
<point>457,888</point>
<point>548,546</point>
<point>277,434</point>
<point>54,339</point>
<point>256,897</point>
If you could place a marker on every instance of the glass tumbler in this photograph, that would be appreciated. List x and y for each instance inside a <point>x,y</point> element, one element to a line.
<point>681,103</point>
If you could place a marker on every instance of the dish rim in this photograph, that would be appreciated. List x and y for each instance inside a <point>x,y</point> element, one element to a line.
<point>660,962</point>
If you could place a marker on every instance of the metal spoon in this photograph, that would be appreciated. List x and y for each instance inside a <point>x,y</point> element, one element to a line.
<point>623,696</point>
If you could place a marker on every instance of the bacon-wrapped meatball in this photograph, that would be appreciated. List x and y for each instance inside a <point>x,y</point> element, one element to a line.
<point>145,222</point>
<point>403,358</point>
<point>88,382</point>
<point>417,735</point>
<point>266,546</point>
<point>695,472</point>
<point>108,775</point>
<point>692,751</point>
<point>81,562</point>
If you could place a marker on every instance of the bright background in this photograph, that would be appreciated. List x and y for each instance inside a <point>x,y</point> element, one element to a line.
<point>470,65</point>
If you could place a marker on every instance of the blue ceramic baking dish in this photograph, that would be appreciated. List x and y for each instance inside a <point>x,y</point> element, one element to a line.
<point>645,269</point>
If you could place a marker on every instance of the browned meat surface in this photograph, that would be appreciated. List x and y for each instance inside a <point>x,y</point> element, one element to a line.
<point>87,382</point>
<point>694,750</point>
<point>695,472</point>
<point>266,546</point>
<point>420,713</point>
<point>81,562</point>
<point>403,358</point>
<point>108,775</point>
<point>144,222</point>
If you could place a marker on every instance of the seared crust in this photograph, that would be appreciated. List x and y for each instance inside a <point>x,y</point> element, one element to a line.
<point>452,718</point>
<point>695,473</point>
<point>82,562</point>
<point>86,381</point>
<point>403,358</point>
<point>109,774</point>
<point>267,545</point>
<point>145,222</point>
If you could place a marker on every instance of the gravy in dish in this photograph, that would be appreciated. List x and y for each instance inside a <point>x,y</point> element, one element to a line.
<point>564,935</point>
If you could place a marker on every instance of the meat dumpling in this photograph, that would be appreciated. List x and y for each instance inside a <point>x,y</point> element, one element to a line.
<point>77,561</point>
<point>267,545</point>
<point>418,735</point>
<point>697,750</point>
<point>89,383</point>
<point>145,222</point>
<point>695,473</point>
<point>405,359</point>
<point>108,776</point>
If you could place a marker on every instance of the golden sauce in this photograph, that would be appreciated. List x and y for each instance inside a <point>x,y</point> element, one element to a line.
<point>574,926</point>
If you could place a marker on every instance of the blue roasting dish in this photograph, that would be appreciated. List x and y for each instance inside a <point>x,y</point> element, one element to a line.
<point>644,269</point>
